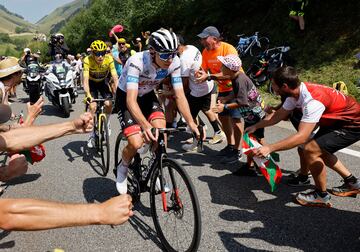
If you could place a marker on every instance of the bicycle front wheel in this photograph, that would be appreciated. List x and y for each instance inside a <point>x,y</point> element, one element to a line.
<point>175,209</point>
<point>259,47</point>
<point>104,145</point>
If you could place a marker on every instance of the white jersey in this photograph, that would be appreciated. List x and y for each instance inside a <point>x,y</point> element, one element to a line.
<point>191,60</point>
<point>312,109</point>
<point>139,73</point>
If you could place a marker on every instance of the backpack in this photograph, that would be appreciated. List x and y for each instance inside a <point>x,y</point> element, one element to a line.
<point>341,86</point>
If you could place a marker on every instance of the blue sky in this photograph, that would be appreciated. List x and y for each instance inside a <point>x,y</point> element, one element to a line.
<point>33,10</point>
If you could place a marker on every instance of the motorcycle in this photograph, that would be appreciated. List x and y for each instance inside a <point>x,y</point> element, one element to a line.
<point>59,87</point>
<point>34,81</point>
<point>265,65</point>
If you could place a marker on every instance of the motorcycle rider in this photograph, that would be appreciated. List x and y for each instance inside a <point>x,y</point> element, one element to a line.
<point>57,45</point>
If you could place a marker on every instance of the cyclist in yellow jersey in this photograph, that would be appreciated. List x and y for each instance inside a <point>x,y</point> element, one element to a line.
<point>96,67</point>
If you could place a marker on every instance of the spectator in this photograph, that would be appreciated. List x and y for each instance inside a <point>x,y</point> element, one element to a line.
<point>137,44</point>
<point>146,36</point>
<point>31,214</point>
<point>338,117</point>
<point>297,12</point>
<point>247,100</point>
<point>211,70</point>
<point>199,97</point>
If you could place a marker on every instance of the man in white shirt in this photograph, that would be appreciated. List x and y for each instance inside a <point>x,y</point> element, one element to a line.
<point>199,95</point>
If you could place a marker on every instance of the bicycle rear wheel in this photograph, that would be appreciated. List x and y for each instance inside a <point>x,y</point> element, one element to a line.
<point>178,227</point>
<point>104,145</point>
<point>260,47</point>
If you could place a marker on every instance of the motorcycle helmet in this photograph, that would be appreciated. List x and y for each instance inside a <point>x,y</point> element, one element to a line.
<point>163,41</point>
<point>27,50</point>
<point>59,35</point>
<point>98,46</point>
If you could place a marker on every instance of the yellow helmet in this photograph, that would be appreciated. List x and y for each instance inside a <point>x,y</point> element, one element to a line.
<point>98,46</point>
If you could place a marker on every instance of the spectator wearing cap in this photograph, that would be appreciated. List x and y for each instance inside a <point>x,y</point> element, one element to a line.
<point>10,76</point>
<point>246,99</point>
<point>120,43</point>
<point>137,44</point>
<point>211,70</point>
<point>146,36</point>
<point>125,52</point>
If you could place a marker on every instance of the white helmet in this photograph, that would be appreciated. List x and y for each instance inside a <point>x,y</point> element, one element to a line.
<point>26,50</point>
<point>163,40</point>
<point>59,35</point>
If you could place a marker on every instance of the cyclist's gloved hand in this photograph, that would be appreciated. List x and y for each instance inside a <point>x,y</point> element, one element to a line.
<point>88,98</point>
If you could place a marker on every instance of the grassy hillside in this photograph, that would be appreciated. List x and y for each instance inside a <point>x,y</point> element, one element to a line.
<point>55,20</point>
<point>9,22</point>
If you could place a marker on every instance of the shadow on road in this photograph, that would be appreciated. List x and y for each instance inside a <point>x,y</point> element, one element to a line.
<point>26,178</point>
<point>6,245</point>
<point>145,231</point>
<point>99,189</point>
<point>90,156</point>
<point>282,223</point>
<point>51,110</point>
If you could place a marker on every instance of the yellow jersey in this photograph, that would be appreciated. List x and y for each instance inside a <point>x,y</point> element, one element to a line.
<point>97,72</point>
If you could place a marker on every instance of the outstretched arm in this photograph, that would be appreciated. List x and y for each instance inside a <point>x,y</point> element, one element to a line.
<point>26,137</point>
<point>31,214</point>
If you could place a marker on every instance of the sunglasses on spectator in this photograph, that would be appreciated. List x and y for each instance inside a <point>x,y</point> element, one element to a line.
<point>167,56</point>
<point>98,54</point>
<point>121,43</point>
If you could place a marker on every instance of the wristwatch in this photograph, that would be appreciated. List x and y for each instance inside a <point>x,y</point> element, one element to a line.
<point>209,77</point>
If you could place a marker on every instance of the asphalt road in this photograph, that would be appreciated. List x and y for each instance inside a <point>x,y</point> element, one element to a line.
<point>238,213</point>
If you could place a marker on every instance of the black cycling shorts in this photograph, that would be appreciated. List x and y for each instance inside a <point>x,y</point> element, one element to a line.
<point>199,103</point>
<point>100,87</point>
<point>332,140</point>
<point>149,106</point>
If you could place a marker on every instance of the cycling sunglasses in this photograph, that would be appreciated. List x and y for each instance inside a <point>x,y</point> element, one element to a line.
<point>98,54</point>
<point>167,56</point>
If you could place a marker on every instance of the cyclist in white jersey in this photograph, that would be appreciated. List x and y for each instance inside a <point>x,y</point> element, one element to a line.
<point>137,105</point>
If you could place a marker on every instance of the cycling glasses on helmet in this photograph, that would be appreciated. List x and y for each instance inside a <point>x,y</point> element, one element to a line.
<point>167,56</point>
<point>98,54</point>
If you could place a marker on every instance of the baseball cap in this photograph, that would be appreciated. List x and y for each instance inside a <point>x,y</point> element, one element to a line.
<point>8,66</point>
<point>231,61</point>
<point>209,31</point>
<point>138,39</point>
<point>121,40</point>
<point>5,113</point>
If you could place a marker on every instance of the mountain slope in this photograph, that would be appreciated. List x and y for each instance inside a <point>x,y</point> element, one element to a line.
<point>9,21</point>
<point>55,20</point>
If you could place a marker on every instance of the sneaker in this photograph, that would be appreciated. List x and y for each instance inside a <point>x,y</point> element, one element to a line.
<point>158,187</point>
<point>347,189</point>
<point>121,178</point>
<point>313,199</point>
<point>296,181</point>
<point>233,157</point>
<point>296,173</point>
<point>190,147</point>
<point>225,151</point>
<point>91,142</point>
<point>218,138</point>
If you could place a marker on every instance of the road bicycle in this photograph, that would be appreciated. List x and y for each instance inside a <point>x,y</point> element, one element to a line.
<point>253,45</point>
<point>101,135</point>
<point>175,208</point>
<point>265,64</point>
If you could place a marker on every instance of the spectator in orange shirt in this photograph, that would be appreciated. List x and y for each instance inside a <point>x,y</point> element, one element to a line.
<point>211,70</point>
